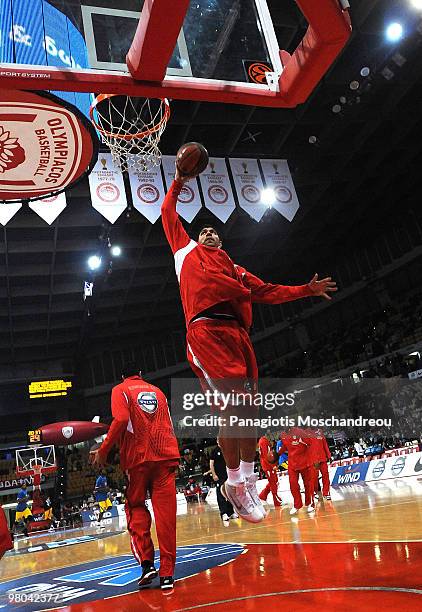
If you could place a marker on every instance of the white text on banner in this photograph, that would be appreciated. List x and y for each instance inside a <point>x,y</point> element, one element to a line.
<point>108,194</point>
<point>277,177</point>
<point>249,186</point>
<point>49,208</point>
<point>189,201</point>
<point>216,188</point>
<point>147,192</point>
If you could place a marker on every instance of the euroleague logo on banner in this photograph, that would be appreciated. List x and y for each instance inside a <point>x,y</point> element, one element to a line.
<point>147,402</point>
<point>251,194</point>
<point>187,195</point>
<point>44,146</point>
<point>148,193</point>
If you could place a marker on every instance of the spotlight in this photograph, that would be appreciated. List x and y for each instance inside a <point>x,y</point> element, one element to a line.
<point>394,32</point>
<point>312,139</point>
<point>268,196</point>
<point>354,85</point>
<point>365,71</point>
<point>417,4</point>
<point>387,73</point>
<point>342,99</point>
<point>94,262</point>
<point>336,108</point>
<point>116,250</point>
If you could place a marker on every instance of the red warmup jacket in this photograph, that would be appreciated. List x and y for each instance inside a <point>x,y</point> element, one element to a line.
<point>299,447</point>
<point>264,448</point>
<point>141,427</point>
<point>207,276</point>
<point>320,450</point>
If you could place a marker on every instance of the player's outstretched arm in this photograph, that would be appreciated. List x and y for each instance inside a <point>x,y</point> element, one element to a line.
<point>173,228</point>
<point>267,293</point>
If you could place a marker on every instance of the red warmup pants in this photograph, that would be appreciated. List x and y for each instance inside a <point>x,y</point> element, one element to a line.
<point>5,539</point>
<point>271,486</point>
<point>308,481</point>
<point>157,477</point>
<point>221,350</point>
<point>323,468</point>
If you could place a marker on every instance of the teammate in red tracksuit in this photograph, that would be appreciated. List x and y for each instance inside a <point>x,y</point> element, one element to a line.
<point>5,538</point>
<point>298,445</point>
<point>217,298</point>
<point>270,470</point>
<point>321,456</point>
<point>143,431</point>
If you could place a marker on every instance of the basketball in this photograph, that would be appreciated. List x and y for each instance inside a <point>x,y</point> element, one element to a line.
<point>192,159</point>
<point>272,457</point>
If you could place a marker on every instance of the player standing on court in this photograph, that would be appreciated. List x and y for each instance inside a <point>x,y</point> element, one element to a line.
<point>23,512</point>
<point>270,471</point>
<point>149,454</point>
<point>101,495</point>
<point>217,298</point>
<point>321,457</point>
<point>298,444</point>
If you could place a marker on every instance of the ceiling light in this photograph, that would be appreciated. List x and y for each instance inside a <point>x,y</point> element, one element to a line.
<point>394,32</point>
<point>94,262</point>
<point>365,71</point>
<point>116,250</point>
<point>268,196</point>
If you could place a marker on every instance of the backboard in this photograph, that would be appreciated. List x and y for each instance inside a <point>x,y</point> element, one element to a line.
<point>209,50</point>
<point>33,456</point>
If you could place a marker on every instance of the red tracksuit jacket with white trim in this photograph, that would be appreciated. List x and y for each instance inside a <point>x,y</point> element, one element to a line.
<point>207,276</point>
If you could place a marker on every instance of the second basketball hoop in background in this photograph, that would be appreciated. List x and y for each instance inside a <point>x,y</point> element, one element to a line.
<point>192,159</point>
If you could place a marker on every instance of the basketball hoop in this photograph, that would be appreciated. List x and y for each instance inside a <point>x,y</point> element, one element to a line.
<point>131,128</point>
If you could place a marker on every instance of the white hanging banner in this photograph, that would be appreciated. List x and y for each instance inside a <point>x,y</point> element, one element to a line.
<point>107,188</point>
<point>147,192</point>
<point>49,208</point>
<point>277,177</point>
<point>8,210</point>
<point>216,188</point>
<point>249,186</point>
<point>189,201</point>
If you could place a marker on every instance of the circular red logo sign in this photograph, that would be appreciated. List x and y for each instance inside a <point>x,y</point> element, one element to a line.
<point>148,193</point>
<point>251,194</point>
<point>283,195</point>
<point>218,194</point>
<point>46,145</point>
<point>187,195</point>
<point>108,192</point>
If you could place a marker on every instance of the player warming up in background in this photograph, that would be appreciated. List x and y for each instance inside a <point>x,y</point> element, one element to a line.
<point>270,471</point>
<point>321,456</point>
<point>299,447</point>
<point>23,512</point>
<point>101,495</point>
<point>217,298</point>
<point>149,454</point>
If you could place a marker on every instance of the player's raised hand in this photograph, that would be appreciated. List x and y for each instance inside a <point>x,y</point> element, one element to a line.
<point>323,287</point>
<point>182,178</point>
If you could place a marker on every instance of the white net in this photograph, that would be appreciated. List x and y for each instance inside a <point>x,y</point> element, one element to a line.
<point>131,128</point>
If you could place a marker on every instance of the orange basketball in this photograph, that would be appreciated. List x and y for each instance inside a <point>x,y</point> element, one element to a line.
<point>192,159</point>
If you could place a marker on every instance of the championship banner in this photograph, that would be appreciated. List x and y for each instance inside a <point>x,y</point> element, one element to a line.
<point>189,201</point>
<point>107,188</point>
<point>277,177</point>
<point>49,208</point>
<point>7,211</point>
<point>247,179</point>
<point>216,189</point>
<point>147,192</point>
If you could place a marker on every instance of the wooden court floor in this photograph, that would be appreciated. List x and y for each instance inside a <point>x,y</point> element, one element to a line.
<point>362,549</point>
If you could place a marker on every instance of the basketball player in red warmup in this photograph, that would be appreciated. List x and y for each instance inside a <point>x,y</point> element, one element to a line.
<point>270,470</point>
<point>217,298</point>
<point>299,446</point>
<point>321,456</point>
<point>5,538</point>
<point>149,454</point>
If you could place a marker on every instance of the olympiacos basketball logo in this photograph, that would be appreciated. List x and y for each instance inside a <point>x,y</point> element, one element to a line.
<point>11,153</point>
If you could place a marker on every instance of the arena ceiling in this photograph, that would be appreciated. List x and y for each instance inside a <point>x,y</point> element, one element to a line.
<point>358,179</point>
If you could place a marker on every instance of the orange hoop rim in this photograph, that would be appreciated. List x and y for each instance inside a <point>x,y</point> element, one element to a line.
<point>102,97</point>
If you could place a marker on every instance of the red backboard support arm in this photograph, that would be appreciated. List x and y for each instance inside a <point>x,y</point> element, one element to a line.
<point>328,32</point>
<point>155,38</point>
